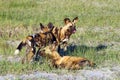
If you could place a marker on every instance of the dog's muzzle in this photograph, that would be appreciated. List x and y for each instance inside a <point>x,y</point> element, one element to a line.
<point>73,31</point>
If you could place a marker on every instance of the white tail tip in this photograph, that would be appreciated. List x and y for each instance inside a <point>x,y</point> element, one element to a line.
<point>16,52</point>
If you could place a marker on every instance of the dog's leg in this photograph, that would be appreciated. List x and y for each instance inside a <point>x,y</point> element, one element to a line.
<point>65,44</point>
<point>36,56</point>
<point>30,56</point>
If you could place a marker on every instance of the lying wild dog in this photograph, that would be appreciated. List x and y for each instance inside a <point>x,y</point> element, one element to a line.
<point>68,62</point>
<point>39,40</point>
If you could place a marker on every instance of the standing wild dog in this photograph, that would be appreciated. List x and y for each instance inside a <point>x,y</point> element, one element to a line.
<point>63,34</point>
<point>39,40</point>
<point>68,62</point>
<point>33,39</point>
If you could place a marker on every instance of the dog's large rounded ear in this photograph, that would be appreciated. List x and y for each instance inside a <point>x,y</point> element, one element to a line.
<point>50,26</point>
<point>67,20</point>
<point>41,26</point>
<point>75,19</point>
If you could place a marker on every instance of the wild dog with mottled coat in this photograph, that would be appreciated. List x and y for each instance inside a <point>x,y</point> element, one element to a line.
<point>37,40</point>
<point>68,62</point>
<point>63,34</point>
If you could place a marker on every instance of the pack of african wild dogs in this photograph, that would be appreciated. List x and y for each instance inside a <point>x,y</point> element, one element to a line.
<point>48,42</point>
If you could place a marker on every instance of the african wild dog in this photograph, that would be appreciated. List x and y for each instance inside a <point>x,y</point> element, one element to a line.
<point>63,34</point>
<point>68,62</point>
<point>39,40</point>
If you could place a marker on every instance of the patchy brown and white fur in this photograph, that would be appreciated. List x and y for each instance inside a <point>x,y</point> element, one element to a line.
<point>68,62</point>
<point>34,38</point>
<point>63,34</point>
<point>39,40</point>
<point>48,35</point>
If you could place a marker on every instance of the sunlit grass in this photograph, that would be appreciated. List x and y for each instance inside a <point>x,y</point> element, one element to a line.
<point>7,67</point>
<point>99,22</point>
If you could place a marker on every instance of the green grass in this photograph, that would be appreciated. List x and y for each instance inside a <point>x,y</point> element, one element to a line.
<point>8,67</point>
<point>99,22</point>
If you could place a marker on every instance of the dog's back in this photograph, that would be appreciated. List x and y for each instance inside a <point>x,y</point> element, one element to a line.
<point>69,62</point>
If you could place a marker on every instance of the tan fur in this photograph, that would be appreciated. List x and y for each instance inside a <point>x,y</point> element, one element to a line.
<point>28,56</point>
<point>68,62</point>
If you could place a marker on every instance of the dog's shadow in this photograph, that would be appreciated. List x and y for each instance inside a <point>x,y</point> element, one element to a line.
<point>81,48</point>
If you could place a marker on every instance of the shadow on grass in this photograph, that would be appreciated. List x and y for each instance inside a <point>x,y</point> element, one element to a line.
<point>81,48</point>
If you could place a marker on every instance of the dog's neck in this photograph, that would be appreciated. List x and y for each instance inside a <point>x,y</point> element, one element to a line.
<point>63,32</point>
<point>55,55</point>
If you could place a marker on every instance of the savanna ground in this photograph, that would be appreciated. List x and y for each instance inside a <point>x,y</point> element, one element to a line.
<point>97,37</point>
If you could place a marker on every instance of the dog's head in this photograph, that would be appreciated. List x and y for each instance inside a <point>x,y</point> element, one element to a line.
<point>46,51</point>
<point>70,25</point>
<point>49,51</point>
<point>48,28</point>
<point>86,62</point>
<point>68,29</point>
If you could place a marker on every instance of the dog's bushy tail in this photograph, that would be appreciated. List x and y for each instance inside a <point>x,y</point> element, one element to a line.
<point>19,48</point>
